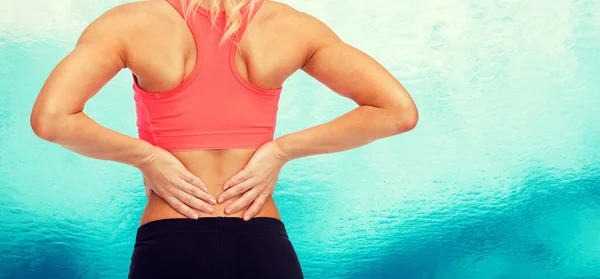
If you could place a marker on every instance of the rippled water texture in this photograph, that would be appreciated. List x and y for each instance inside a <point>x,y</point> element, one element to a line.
<point>501,178</point>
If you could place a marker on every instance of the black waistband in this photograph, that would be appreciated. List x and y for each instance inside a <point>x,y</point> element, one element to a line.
<point>220,223</point>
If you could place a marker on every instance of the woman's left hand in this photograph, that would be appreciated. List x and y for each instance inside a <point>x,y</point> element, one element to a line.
<point>256,181</point>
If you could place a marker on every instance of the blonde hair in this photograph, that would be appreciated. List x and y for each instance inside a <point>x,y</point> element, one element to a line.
<point>233,15</point>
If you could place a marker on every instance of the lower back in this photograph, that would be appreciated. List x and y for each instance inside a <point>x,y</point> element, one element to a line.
<point>214,168</point>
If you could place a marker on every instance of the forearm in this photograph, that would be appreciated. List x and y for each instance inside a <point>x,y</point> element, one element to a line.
<point>356,128</point>
<point>79,133</point>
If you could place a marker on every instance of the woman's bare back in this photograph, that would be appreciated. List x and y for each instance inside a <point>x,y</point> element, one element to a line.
<point>161,52</point>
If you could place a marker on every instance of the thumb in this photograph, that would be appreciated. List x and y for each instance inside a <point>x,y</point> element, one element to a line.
<point>147,187</point>
<point>148,192</point>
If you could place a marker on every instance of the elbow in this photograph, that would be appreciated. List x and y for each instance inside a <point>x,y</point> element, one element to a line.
<point>406,117</point>
<point>44,125</point>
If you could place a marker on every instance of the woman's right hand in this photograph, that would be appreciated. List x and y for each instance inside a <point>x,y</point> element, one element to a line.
<point>166,176</point>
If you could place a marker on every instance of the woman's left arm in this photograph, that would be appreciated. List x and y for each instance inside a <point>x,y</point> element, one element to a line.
<point>385,109</point>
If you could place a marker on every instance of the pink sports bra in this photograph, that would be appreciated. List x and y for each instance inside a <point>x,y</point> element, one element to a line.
<point>215,107</point>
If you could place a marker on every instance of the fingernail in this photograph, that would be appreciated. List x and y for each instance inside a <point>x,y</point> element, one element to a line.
<point>246,218</point>
<point>195,216</point>
<point>227,210</point>
<point>211,210</point>
<point>220,200</point>
<point>213,201</point>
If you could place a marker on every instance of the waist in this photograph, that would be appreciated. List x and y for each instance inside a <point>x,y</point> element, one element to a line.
<point>158,209</point>
<point>214,168</point>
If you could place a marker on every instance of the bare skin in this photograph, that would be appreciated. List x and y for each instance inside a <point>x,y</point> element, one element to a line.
<point>151,39</point>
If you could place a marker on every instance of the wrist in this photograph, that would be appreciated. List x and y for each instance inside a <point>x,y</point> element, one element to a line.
<point>281,150</point>
<point>146,155</point>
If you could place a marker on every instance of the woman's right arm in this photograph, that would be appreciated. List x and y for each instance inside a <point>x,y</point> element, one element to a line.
<point>58,116</point>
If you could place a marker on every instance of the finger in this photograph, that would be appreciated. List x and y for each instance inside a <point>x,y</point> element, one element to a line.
<point>242,201</point>
<point>194,180</point>
<point>240,177</point>
<point>192,201</point>
<point>194,191</point>
<point>236,190</point>
<point>181,207</point>
<point>256,206</point>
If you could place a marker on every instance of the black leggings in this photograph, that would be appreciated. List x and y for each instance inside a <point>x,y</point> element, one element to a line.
<point>214,247</point>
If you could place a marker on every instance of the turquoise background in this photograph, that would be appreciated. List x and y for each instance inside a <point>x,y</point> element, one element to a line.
<point>501,178</point>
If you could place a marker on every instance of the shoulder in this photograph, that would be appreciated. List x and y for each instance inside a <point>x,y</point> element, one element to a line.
<point>294,20</point>
<point>302,29</point>
<point>130,20</point>
<point>131,26</point>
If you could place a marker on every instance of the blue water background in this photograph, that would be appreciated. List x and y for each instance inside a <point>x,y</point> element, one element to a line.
<point>501,178</point>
